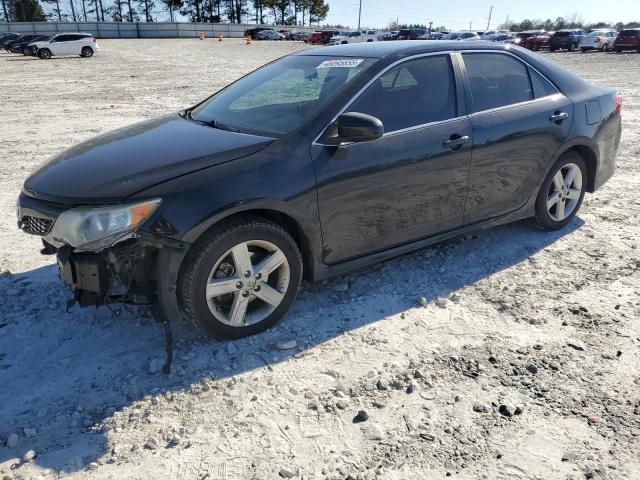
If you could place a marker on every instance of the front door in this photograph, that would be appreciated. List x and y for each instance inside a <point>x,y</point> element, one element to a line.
<point>409,184</point>
<point>519,122</point>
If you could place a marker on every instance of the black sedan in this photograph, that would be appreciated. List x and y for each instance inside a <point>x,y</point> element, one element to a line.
<point>316,164</point>
<point>22,45</point>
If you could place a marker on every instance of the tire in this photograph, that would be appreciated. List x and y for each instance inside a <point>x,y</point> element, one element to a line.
<point>618,50</point>
<point>572,47</point>
<point>604,47</point>
<point>86,52</point>
<point>44,53</point>
<point>212,260</point>
<point>584,50</point>
<point>550,217</point>
<point>552,49</point>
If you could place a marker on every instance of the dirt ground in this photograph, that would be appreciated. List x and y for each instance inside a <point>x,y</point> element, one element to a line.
<point>509,354</point>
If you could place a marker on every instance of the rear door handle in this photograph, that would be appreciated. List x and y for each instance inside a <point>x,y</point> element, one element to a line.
<point>559,116</point>
<point>456,141</point>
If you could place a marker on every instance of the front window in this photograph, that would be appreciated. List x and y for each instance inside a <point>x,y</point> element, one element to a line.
<point>411,94</point>
<point>282,96</point>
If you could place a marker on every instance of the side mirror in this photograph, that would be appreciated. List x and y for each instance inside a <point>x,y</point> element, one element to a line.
<point>354,127</point>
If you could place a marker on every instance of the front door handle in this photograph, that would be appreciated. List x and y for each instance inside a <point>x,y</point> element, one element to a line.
<point>456,141</point>
<point>559,116</point>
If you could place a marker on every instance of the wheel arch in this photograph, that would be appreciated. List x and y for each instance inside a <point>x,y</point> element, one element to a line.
<point>588,152</point>
<point>279,216</point>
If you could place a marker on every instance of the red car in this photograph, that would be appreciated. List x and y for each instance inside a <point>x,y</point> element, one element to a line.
<point>628,39</point>
<point>314,38</point>
<point>537,42</point>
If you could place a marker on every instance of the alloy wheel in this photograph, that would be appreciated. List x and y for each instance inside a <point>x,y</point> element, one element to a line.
<point>247,283</point>
<point>564,192</point>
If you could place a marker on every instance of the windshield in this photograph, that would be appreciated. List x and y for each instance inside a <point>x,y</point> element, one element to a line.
<point>451,36</point>
<point>344,34</point>
<point>596,34</point>
<point>280,97</point>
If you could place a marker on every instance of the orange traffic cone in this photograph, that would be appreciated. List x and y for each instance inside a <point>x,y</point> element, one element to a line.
<point>201,35</point>
<point>248,38</point>
<point>220,37</point>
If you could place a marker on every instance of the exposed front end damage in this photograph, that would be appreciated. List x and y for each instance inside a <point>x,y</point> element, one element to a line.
<point>138,268</point>
<point>123,273</point>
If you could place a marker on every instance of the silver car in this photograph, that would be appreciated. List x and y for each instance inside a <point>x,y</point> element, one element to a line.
<point>602,40</point>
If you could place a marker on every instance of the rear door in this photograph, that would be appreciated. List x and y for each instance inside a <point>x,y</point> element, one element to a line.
<point>409,184</point>
<point>519,120</point>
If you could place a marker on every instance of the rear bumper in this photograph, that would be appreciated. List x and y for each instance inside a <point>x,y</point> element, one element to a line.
<point>627,46</point>
<point>607,150</point>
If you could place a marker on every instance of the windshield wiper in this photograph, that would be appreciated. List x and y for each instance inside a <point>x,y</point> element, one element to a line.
<point>210,123</point>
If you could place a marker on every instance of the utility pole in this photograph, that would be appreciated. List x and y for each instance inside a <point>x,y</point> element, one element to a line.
<point>507,23</point>
<point>359,14</point>
<point>6,14</point>
<point>430,25</point>
<point>470,26</point>
<point>489,21</point>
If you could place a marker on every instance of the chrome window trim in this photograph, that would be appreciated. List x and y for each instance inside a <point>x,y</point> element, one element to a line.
<point>430,124</point>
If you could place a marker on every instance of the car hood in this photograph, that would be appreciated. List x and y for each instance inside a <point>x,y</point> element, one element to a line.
<point>111,167</point>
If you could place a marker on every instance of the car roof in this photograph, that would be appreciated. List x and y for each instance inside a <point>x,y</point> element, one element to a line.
<point>400,48</point>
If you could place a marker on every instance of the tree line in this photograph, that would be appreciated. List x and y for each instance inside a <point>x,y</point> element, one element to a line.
<point>560,23</point>
<point>282,12</point>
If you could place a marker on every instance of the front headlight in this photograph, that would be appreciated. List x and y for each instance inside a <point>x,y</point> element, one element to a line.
<point>97,228</point>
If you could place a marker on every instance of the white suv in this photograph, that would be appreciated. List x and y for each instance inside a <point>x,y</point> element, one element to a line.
<point>347,37</point>
<point>82,44</point>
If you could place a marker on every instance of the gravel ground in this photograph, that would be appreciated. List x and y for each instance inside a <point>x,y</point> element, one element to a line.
<point>511,353</point>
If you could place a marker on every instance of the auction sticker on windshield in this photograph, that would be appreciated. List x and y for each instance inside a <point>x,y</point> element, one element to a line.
<point>342,63</point>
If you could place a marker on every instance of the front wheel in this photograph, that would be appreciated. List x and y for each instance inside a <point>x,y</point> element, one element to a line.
<point>86,52</point>
<point>44,53</point>
<point>240,278</point>
<point>572,47</point>
<point>562,192</point>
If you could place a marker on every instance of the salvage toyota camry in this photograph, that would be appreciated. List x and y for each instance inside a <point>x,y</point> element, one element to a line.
<point>313,165</point>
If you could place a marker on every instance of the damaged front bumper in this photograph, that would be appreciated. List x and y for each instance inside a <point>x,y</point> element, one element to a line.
<point>140,269</point>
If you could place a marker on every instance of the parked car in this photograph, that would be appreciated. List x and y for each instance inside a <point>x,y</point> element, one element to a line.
<point>602,40</point>
<point>20,45</point>
<point>253,32</point>
<point>468,36</point>
<point>8,37</point>
<point>565,39</point>
<point>435,36</point>
<point>344,38</point>
<point>537,42</point>
<point>82,44</point>
<point>370,35</point>
<point>452,36</point>
<point>7,45</point>
<point>502,38</point>
<point>411,33</point>
<point>219,211</point>
<point>269,35</point>
<point>628,39</point>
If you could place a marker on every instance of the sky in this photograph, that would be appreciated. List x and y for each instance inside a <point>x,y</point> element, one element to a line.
<point>456,14</point>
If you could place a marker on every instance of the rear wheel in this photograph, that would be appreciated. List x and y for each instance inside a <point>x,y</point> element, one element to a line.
<point>604,47</point>
<point>86,52</point>
<point>618,50</point>
<point>572,47</point>
<point>562,192</point>
<point>240,278</point>
<point>44,53</point>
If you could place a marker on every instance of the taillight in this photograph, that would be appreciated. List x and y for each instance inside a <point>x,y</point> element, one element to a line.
<point>618,103</point>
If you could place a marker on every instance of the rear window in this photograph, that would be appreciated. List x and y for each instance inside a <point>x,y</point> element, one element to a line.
<point>629,33</point>
<point>497,80</point>
<point>403,33</point>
